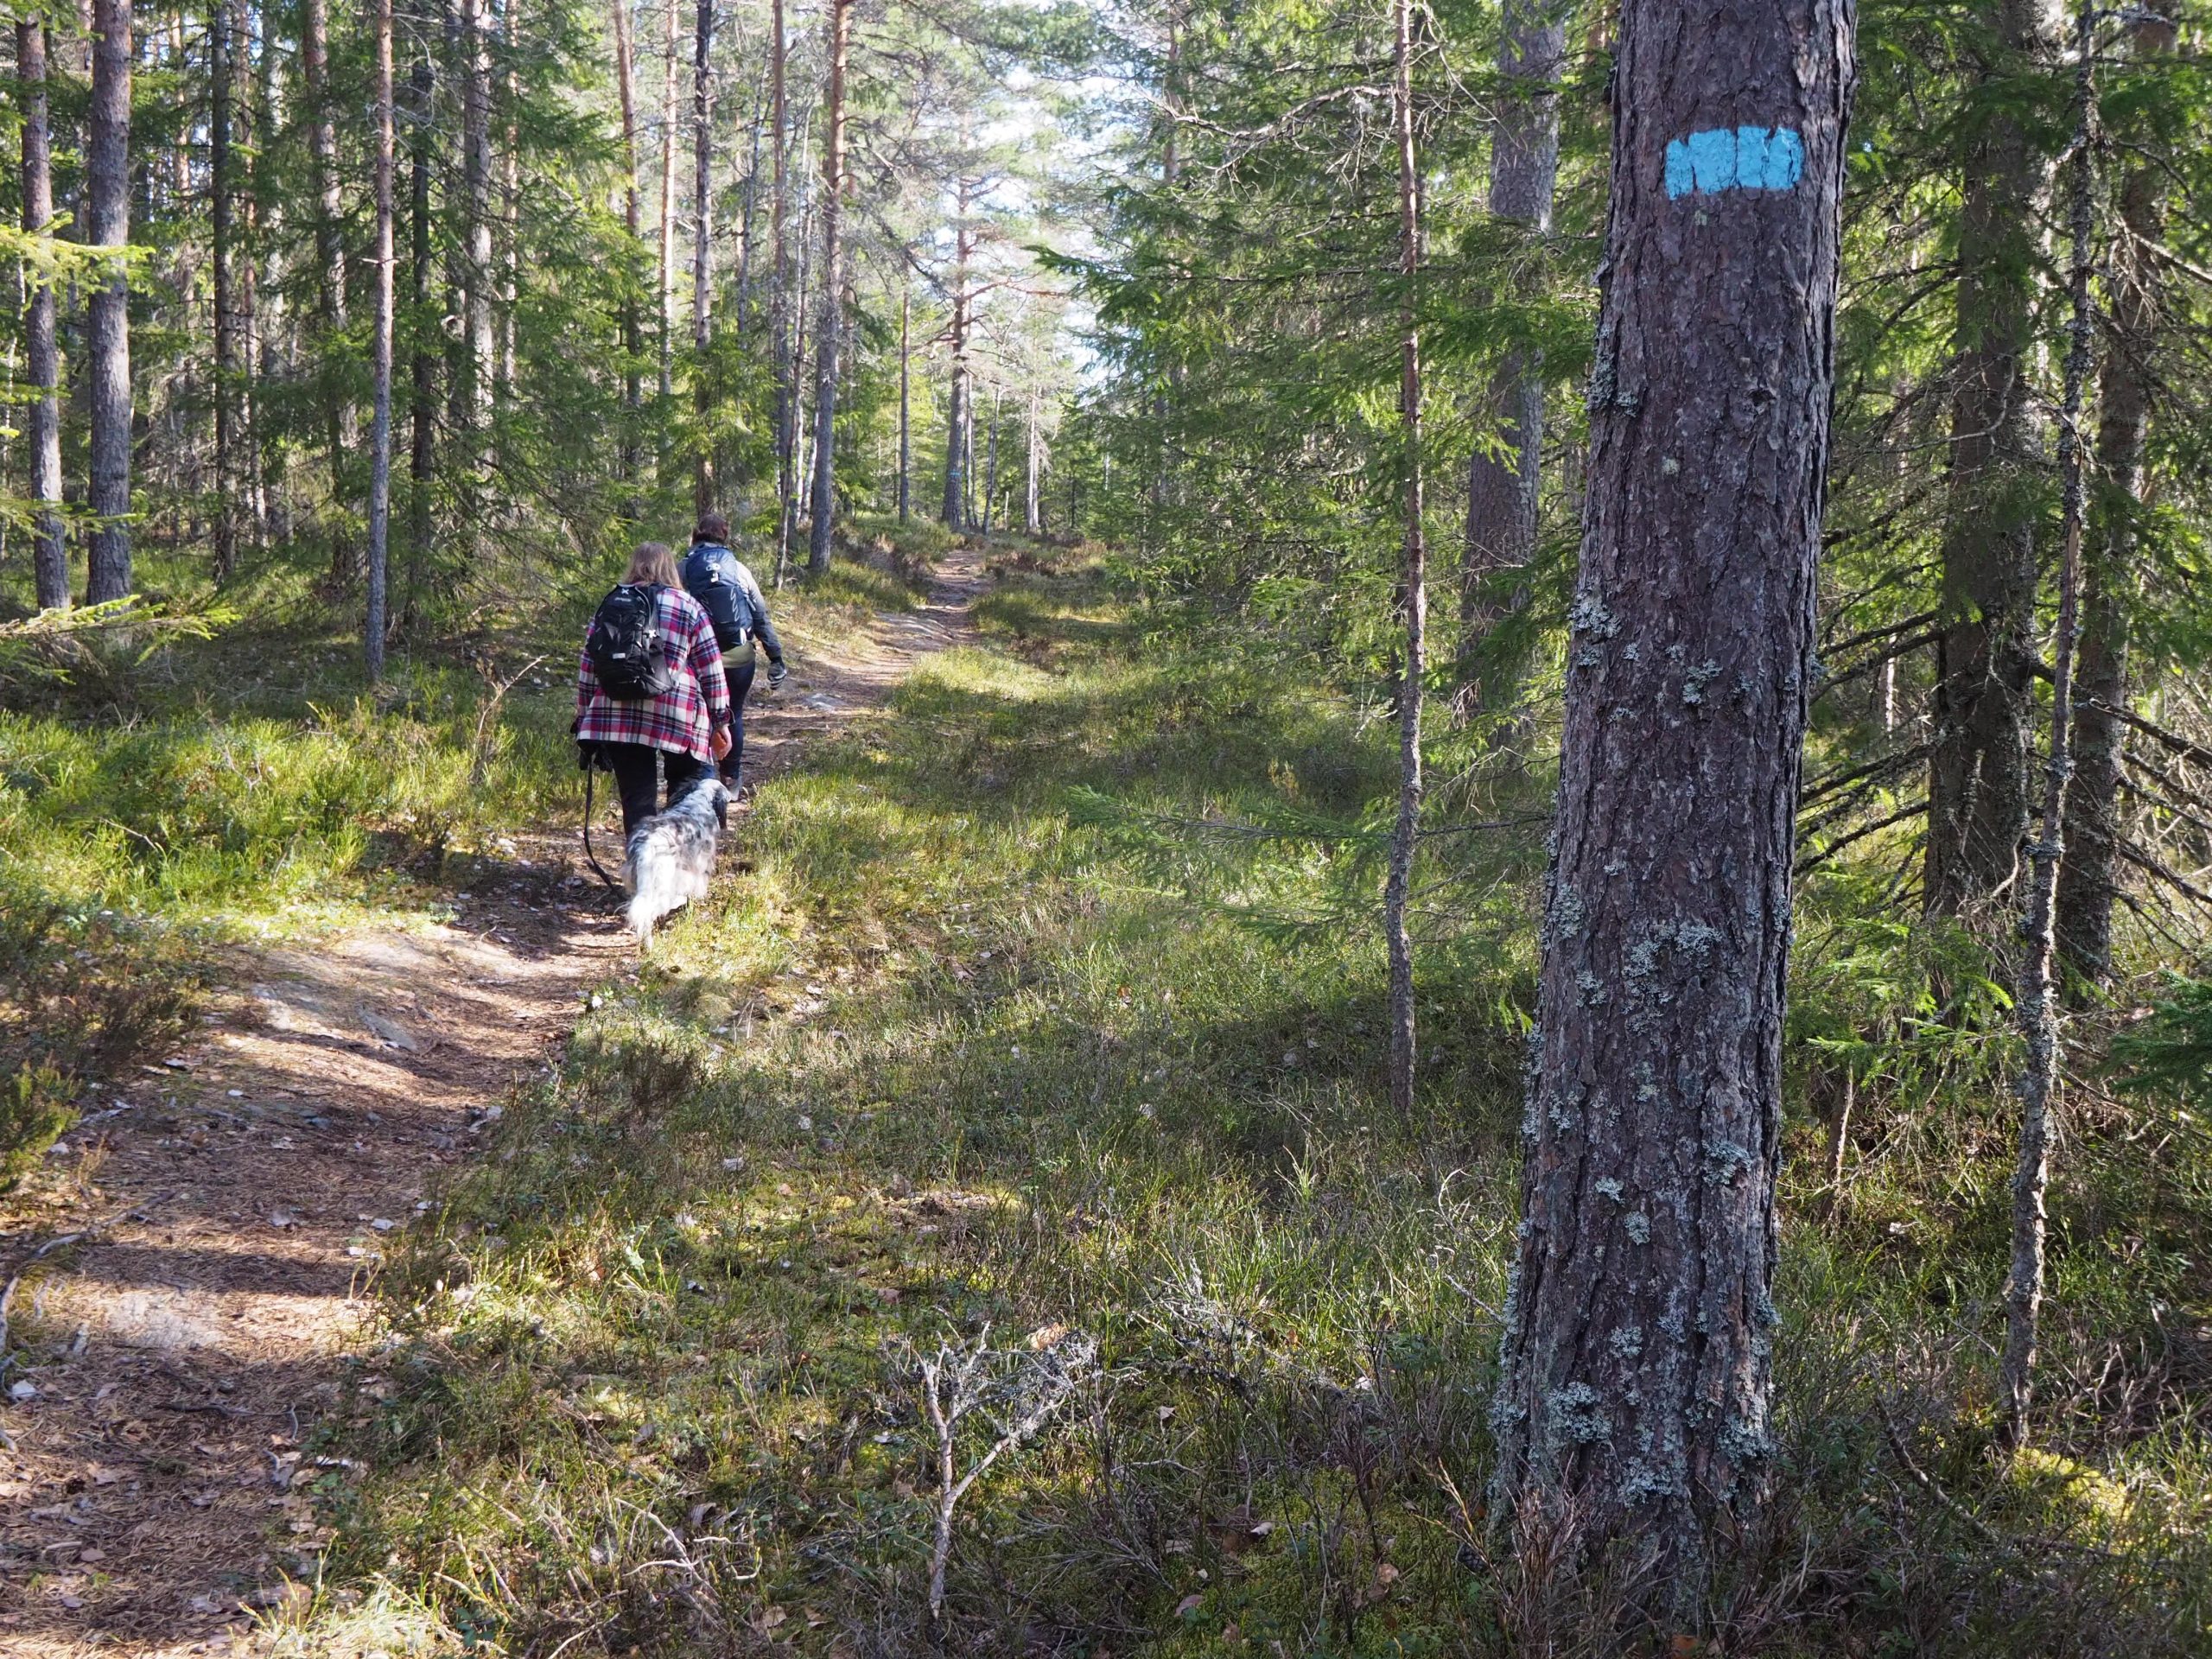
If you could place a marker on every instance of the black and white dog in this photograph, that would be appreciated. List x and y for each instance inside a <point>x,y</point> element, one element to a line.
<point>673,854</point>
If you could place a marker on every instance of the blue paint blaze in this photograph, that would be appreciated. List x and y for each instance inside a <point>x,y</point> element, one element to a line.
<point>1740,158</point>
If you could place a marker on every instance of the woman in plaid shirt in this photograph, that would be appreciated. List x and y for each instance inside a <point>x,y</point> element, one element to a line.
<point>684,731</point>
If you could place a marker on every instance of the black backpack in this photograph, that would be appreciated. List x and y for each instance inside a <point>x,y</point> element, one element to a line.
<point>723,603</point>
<point>627,648</point>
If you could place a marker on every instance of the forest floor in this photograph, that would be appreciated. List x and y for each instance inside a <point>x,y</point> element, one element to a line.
<point>214,1241</point>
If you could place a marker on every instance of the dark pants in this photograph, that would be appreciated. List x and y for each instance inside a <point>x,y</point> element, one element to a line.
<point>636,767</point>
<point>739,672</point>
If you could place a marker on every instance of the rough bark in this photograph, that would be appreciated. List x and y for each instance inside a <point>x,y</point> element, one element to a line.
<point>478,366</point>
<point>779,295</point>
<point>509,208</point>
<point>2035,1002</point>
<point>2088,877</point>
<point>828,337</point>
<point>223,255</point>
<point>702,227</point>
<point>1413,592</point>
<point>341,420</point>
<point>1033,515</point>
<point>422,451</point>
<point>1503,489</point>
<point>632,333</point>
<point>49,538</point>
<point>956,415</point>
<point>253,472</point>
<point>668,206</point>
<point>991,461</point>
<point>905,401</point>
<point>107,225</point>
<point>1633,1399</point>
<point>374,624</point>
<point>749,203</point>
<point>1986,654</point>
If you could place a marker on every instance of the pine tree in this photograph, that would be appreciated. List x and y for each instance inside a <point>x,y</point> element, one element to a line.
<point>1633,1406</point>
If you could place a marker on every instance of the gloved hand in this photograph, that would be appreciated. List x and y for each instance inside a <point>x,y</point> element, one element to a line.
<point>776,673</point>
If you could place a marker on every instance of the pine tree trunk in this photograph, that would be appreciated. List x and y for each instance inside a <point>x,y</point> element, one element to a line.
<point>422,452</point>
<point>1503,491</point>
<point>1633,1399</point>
<point>991,462</point>
<point>905,401</point>
<point>372,632</point>
<point>2088,877</point>
<point>1413,591</point>
<point>222,47</point>
<point>245,277</point>
<point>829,332</point>
<point>668,207</point>
<point>955,415</point>
<point>510,210</point>
<point>340,420</point>
<point>703,210</point>
<point>748,210</point>
<point>779,295</point>
<point>1985,656</point>
<point>478,364</point>
<point>1033,515</point>
<point>632,332</point>
<point>107,225</point>
<point>49,539</point>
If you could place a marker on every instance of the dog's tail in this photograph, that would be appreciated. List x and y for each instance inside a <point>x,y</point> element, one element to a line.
<point>654,888</point>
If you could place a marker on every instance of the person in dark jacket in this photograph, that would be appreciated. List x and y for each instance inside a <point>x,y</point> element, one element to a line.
<point>726,591</point>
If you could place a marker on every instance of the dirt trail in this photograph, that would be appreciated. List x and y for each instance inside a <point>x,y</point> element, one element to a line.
<point>232,1202</point>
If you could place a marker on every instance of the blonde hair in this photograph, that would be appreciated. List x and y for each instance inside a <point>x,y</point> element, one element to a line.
<point>653,563</point>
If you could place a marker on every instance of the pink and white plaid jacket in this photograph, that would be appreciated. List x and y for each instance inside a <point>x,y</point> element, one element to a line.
<point>686,718</point>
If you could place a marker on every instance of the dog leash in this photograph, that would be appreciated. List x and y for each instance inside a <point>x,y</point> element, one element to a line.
<point>591,770</point>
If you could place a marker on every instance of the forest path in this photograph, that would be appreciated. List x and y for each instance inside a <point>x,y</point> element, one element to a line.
<point>232,1204</point>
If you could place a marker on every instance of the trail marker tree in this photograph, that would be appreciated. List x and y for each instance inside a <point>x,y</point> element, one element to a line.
<point>1633,1399</point>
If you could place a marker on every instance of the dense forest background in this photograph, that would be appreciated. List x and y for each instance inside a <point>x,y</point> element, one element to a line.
<point>1117,296</point>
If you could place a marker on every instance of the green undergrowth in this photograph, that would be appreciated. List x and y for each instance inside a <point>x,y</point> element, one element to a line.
<point>1041,1035</point>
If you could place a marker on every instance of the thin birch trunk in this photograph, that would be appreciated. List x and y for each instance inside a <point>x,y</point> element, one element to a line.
<point>2036,1001</point>
<point>1412,590</point>
<point>905,399</point>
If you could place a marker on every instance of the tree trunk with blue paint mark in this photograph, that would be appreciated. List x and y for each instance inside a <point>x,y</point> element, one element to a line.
<point>1632,1412</point>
